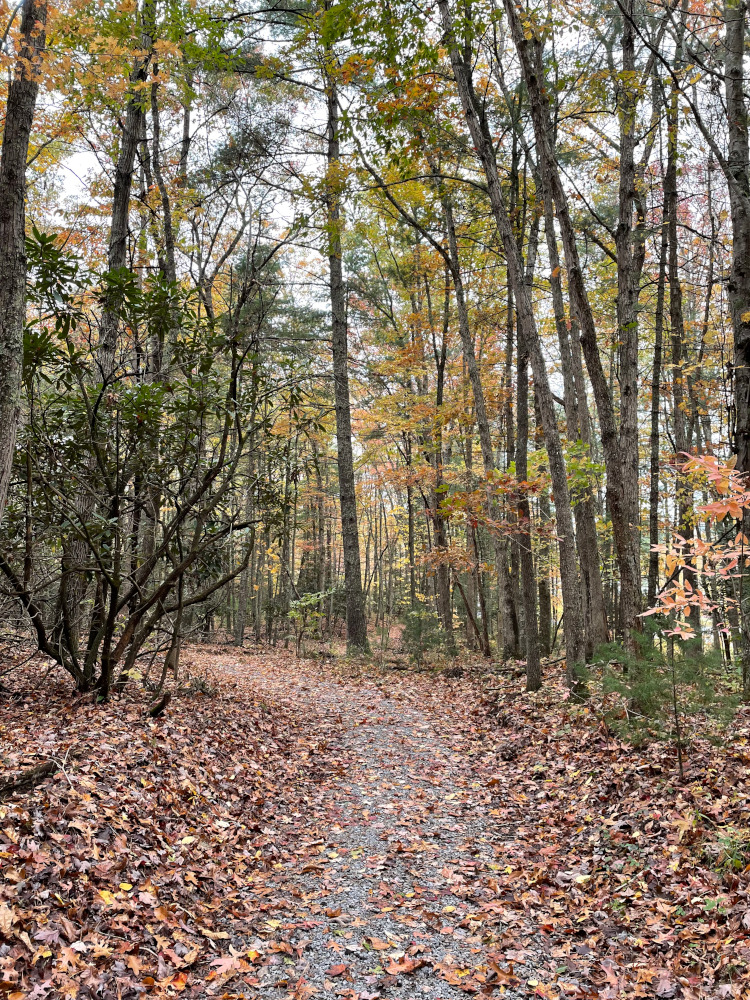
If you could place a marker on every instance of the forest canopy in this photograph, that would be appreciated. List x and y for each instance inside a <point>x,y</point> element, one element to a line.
<point>319,319</point>
<point>374,501</point>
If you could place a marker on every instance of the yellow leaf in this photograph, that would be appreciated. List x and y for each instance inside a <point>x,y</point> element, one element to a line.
<point>213,935</point>
<point>107,896</point>
<point>7,919</point>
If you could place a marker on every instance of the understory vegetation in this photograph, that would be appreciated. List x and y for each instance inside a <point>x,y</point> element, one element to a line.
<point>327,330</point>
<point>373,350</point>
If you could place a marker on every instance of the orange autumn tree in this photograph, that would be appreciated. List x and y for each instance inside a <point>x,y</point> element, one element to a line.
<point>693,564</point>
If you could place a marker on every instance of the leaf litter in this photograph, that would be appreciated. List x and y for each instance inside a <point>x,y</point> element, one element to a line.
<point>307,830</point>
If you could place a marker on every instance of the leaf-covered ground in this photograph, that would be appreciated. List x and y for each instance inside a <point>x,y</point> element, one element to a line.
<point>313,830</point>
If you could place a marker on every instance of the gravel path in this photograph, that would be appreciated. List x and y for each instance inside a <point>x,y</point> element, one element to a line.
<point>388,890</point>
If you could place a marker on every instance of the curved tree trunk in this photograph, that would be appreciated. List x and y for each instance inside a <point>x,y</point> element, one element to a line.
<point>77,555</point>
<point>483,142</point>
<point>508,638</point>
<point>620,448</point>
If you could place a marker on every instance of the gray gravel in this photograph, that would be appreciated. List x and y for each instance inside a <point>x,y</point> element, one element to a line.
<point>400,852</point>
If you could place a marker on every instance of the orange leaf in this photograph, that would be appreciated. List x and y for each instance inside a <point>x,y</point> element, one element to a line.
<point>379,945</point>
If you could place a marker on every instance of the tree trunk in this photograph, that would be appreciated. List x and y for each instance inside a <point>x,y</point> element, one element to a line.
<point>526,557</point>
<point>19,117</point>
<point>483,142</point>
<point>622,474</point>
<point>240,620</point>
<point>627,318</point>
<point>528,580</point>
<point>676,320</point>
<point>356,622</point>
<point>653,510</point>
<point>508,638</point>
<point>410,546</point>
<point>119,227</point>
<point>545,598</point>
<point>577,420</point>
<point>738,287</point>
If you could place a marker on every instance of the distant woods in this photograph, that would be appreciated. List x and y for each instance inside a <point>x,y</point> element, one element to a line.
<point>348,320</point>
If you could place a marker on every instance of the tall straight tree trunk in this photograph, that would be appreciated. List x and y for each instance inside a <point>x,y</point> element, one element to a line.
<point>484,144</point>
<point>585,509</point>
<point>528,580</point>
<point>543,575</point>
<point>356,622</point>
<point>19,117</point>
<point>627,318</point>
<point>443,575</point>
<point>676,320</point>
<point>653,493</point>
<point>411,552</point>
<point>472,575</point>
<point>240,620</point>
<point>528,577</point>
<point>622,478</point>
<point>119,226</point>
<point>738,288</point>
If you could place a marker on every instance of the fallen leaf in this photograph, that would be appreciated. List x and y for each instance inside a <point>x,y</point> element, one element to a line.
<point>336,970</point>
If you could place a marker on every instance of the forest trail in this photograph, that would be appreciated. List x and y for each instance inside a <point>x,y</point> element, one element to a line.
<point>294,829</point>
<point>400,854</point>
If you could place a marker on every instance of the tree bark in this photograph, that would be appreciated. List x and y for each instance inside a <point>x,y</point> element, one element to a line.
<point>244,589</point>
<point>19,117</point>
<point>543,575</point>
<point>528,580</point>
<point>738,287</point>
<point>483,142</point>
<point>443,579</point>
<point>356,622</point>
<point>526,556</point>
<point>508,638</point>
<point>119,227</point>
<point>576,417</point>
<point>622,478</point>
<point>628,274</point>
<point>676,320</point>
<point>653,508</point>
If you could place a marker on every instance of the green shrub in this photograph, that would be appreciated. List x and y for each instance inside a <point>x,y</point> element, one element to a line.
<point>422,634</point>
<point>655,693</point>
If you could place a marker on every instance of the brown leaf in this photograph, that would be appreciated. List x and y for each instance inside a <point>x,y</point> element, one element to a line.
<point>7,919</point>
<point>404,966</point>
<point>336,970</point>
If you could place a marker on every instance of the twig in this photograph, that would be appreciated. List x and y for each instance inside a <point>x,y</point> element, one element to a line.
<point>61,764</point>
<point>25,780</point>
<point>33,776</point>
